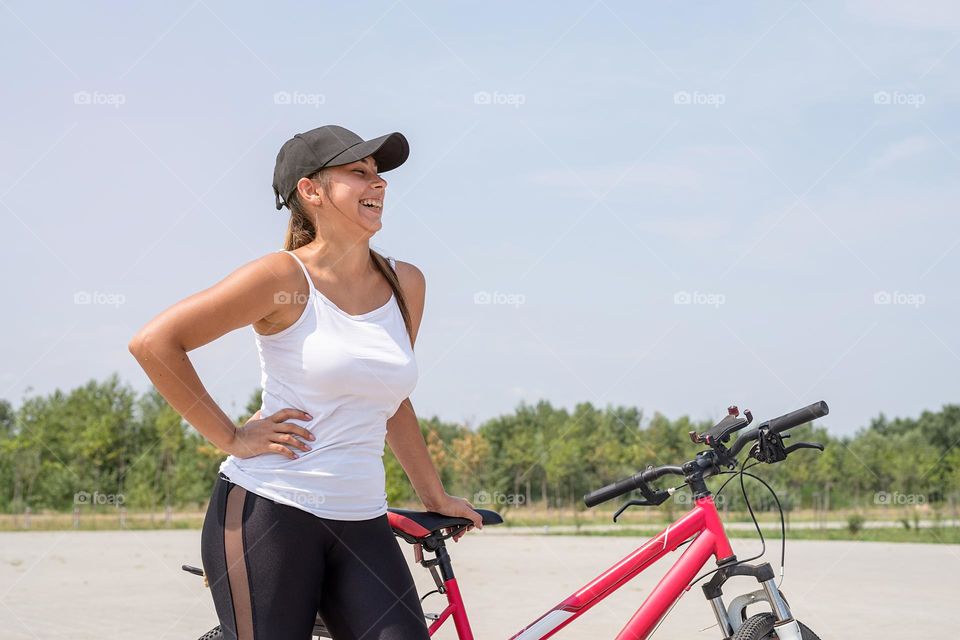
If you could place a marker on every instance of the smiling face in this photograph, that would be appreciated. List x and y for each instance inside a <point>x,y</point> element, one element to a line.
<point>353,195</point>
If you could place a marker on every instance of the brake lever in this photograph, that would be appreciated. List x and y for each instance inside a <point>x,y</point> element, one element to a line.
<point>652,498</point>
<point>803,445</point>
<point>769,447</point>
<point>627,505</point>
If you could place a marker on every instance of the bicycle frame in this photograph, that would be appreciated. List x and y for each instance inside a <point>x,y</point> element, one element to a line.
<point>701,527</point>
<point>702,521</point>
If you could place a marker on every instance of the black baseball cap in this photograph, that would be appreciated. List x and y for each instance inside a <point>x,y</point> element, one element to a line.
<point>332,146</point>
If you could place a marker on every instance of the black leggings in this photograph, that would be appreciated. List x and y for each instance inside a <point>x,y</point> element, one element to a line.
<point>272,567</point>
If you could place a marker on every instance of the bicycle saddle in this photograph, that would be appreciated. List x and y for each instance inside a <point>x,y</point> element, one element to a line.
<point>420,524</point>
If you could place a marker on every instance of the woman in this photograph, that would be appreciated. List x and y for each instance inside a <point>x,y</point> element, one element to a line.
<point>297,520</point>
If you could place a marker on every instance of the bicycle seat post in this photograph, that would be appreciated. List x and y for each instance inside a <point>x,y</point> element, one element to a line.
<point>441,560</point>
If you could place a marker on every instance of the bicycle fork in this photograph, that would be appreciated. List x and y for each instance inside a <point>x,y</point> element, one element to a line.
<point>731,618</point>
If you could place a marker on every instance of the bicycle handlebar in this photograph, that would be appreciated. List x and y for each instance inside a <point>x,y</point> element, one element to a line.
<point>776,425</point>
<point>798,417</point>
<point>611,491</point>
<point>652,473</point>
<point>781,424</point>
<point>632,483</point>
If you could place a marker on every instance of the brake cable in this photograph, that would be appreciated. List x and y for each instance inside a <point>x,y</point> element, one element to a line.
<point>783,525</point>
<point>763,543</point>
<point>756,524</point>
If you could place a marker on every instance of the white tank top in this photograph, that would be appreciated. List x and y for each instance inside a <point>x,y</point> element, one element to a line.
<point>350,372</point>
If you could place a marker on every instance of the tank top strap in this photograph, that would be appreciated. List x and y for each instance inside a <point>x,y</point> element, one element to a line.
<point>303,267</point>
<point>393,265</point>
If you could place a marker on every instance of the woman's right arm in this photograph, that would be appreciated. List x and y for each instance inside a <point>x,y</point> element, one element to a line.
<point>245,296</point>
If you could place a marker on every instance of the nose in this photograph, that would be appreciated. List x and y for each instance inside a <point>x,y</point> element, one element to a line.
<point>380,183</point>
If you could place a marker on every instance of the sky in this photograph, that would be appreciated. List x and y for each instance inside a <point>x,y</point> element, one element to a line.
<point>673,206</point>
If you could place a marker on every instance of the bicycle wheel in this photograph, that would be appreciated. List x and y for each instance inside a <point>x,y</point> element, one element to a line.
<point>213,634</point>
<point>319,631</point>
<point>760,626</point>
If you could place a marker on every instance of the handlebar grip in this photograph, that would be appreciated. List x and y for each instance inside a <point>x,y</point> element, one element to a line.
<point>798,417</point>
<point>612,491</point>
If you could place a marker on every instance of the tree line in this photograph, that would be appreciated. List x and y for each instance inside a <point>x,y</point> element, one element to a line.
<point>105,445</point>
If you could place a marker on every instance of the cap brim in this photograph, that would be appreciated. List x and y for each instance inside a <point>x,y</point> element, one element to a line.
<point>389,152</point>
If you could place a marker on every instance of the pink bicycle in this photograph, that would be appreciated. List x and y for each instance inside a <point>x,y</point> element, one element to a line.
<point>700,527</point>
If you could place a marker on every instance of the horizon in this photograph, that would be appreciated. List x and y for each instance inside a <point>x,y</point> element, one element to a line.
<point>645,416</point>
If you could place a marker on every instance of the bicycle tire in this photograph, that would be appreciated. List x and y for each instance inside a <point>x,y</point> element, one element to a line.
<point>213,634</point>
<point>760,626</point>
<point>319,631</point>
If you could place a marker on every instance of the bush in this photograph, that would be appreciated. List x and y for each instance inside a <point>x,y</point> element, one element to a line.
<point>855,523</point>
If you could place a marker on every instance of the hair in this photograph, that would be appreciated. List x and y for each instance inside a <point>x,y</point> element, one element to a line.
<point>300,231</point>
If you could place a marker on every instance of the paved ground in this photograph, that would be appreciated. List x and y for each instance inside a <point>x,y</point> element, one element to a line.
<point>128,584</point>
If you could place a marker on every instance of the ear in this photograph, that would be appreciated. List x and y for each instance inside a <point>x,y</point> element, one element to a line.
<point>309,191</point>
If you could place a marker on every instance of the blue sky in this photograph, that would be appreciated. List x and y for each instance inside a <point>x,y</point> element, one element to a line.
<point>672,206</point>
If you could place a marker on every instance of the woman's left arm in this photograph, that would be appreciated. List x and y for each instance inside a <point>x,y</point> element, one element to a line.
<point>403,429</point>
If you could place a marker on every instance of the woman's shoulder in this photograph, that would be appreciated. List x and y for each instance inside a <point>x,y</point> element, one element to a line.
<point>407,271</point>
<point>411,278</point>
<point>261,275</point>
<point>275,271</point>
<point>280,264</point>
<point>283,281</point>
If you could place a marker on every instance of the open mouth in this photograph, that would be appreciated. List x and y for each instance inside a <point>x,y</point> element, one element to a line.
<point>372,205</point>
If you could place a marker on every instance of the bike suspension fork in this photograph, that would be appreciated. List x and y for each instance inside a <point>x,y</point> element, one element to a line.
<point>785,626</point>
<point>720,611</point>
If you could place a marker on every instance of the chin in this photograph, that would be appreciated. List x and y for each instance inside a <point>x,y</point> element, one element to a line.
<point>371,227</point>
<point>370,222</point>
